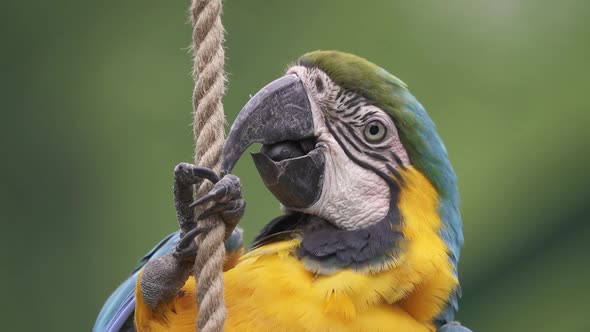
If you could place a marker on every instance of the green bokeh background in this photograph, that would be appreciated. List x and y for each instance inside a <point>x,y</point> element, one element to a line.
<point>96,112</point>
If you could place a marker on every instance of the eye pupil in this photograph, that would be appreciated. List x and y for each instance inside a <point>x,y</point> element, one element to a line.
<point>374,130</point>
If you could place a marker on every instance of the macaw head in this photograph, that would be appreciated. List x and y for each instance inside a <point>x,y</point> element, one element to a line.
<point>344,140</point>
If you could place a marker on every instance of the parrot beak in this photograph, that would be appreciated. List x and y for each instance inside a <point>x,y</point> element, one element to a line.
<point>280,117</point>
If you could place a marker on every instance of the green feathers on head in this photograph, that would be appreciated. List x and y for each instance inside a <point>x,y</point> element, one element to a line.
<point>354,73</point>
<point>417,132</point>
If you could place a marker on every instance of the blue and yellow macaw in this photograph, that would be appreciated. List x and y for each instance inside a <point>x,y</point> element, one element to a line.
<point>371,231</point>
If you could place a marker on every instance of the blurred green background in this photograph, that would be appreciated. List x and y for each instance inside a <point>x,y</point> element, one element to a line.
<point>96,112</point>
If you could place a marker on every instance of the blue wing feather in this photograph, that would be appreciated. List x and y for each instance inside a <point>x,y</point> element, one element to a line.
<point>120,305</point>
<point>453,327</point>
<point>117,313</point>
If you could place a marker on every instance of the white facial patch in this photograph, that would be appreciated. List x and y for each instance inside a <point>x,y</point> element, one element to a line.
<point>352,197</point>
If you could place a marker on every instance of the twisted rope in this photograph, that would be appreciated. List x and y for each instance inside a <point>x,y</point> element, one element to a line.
<point>208,125</point>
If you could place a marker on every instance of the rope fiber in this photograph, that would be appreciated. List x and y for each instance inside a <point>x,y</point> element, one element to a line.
<point>208,127</point>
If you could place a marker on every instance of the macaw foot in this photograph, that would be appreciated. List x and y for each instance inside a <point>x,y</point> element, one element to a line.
<point>163,277</point>
<point>224,199</point>
<point>453,327</point>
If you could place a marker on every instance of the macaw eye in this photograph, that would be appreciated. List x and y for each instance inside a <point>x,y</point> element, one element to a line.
<point>375,131</point>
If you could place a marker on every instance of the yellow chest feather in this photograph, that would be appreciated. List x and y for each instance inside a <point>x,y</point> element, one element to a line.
<point>270,290</point>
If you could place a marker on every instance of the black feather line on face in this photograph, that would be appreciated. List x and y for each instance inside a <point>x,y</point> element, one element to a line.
<point>396,174</point>
<point>368,153</point>
<point>348,140</point>
<point>354,111</point>
<point>398,160</point>
<point>392,184</point>
<point>344,95</point>
<point>367,115</point>
<point>329,248</point>
<point>353,101</point>
<point>376,156</point>
<point>353,133</point>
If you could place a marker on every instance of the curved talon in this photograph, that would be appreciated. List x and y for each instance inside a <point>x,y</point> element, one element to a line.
<point>235,212</point>
<point>213,194</point>
<point>219,207</point>
<point>186,254</point>
<point>202,172</point>
<point>206,173</point>
<point>189,237</point>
